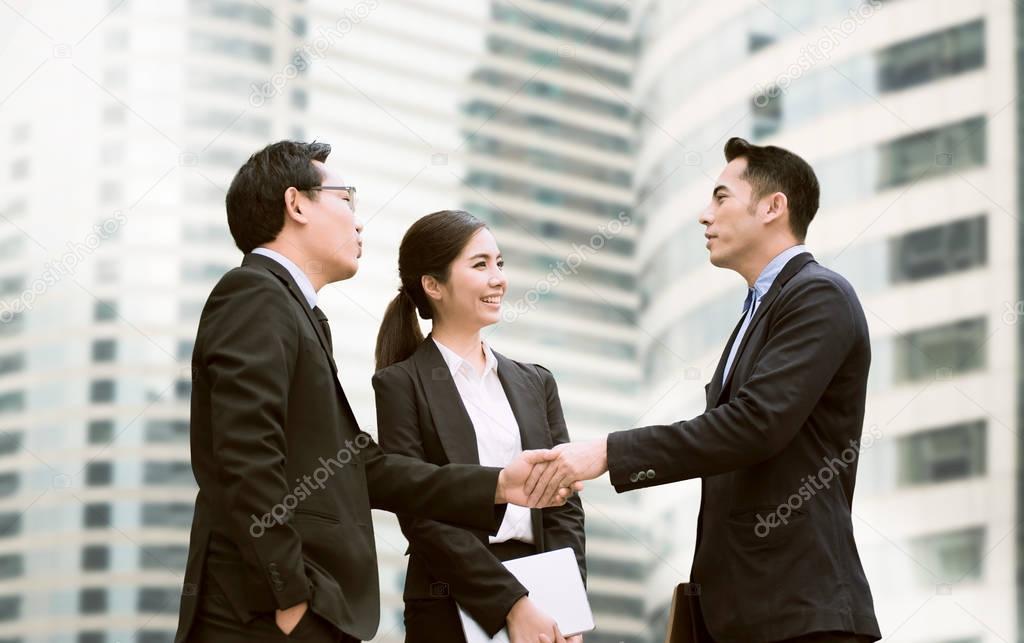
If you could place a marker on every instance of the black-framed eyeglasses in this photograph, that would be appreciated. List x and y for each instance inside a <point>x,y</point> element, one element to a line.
<point>351,189</point>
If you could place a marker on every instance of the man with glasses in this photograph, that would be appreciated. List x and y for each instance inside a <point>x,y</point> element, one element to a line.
<point>282,541</point>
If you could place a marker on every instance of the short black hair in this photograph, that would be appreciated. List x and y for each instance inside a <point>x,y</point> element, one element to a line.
<point>772,169</point>
<point>255,200</point>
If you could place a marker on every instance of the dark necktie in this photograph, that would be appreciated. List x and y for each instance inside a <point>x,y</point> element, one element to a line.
<point>325,325</point>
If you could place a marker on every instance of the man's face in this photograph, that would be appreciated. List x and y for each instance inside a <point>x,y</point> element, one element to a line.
<point>332,233</point>
<point>731,221</point>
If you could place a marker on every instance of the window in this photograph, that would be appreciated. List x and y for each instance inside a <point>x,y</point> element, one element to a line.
<point>766,108</point>
<point>946,453</point>
<point>101,432</point>
<point>202,43</point>
<point>952,556</point>
<point>105,310</point>
<point>931,57</point>
<point>167,514</point>
<point>101,391</point>
<point>155,636</point>
<point>185,347</point>
<point>95,558</point>
<point>96,515</point>
<point>92,637</point>
<point>183,389</point>
<point>99,474</point>
<point>12,363</point>
<point>168,474</point>
<point>10,608</point>
<point>161,600</point>
<point>11,566</point>
<point>167,431</point>
<point>939,250</point>
<point>166,557</point>
<point>10,523</point>
<point>930,153</point>
<point>11,285</point>
<point>92,600</point>
<point>104,350</point>
<point>11,323</point>
<point>9,483</point>
<point>12,402</point>
<point>10,442</point>
<point>941,351</point>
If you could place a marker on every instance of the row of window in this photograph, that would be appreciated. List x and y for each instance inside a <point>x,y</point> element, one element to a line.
<point>925,59</point>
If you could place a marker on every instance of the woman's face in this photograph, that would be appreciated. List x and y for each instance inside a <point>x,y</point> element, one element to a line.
<point>476,284</point>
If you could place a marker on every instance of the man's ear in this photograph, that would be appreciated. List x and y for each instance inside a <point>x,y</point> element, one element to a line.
<point>291,204</point>
<point>431,286</point>
<point>778,204</point>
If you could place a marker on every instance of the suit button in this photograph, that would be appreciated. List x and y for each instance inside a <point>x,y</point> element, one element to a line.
<point>650,474</point>
<point>272,567</point>
<point>633,477</point>
<point>279,586</point>
<point>642,475</point>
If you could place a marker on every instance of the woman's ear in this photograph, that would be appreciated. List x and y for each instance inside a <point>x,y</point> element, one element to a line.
<point>431,286</point>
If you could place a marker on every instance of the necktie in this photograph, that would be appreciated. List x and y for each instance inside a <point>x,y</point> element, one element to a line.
<point>748,312</point>
<point>325,325</point>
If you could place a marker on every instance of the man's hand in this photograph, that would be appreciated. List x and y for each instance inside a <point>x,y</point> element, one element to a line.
<point>527,624</point>
<point>287,619</point>
<point>575,461</point>
<point>512,480</point>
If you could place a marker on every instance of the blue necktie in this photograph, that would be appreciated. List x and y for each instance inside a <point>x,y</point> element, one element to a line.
<point>748,313</point>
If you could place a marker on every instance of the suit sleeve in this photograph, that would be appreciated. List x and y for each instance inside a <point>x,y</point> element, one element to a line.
<point>563,526</point>
<point>457,557</point>
<point>811,337</point>
<point>459,494</point>
<point>248,354</point>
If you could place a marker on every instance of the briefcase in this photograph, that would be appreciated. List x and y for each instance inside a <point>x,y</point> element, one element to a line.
<point>685,621</point>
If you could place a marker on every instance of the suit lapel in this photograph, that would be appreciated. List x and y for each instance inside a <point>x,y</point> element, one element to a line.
<point>282,273</point>
<point>715,389</point>
<point>451,420</point>
<point>792,267</point>
<point>526,408</point>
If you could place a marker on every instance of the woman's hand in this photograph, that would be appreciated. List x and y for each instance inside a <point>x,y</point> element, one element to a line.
<point>527,624</point>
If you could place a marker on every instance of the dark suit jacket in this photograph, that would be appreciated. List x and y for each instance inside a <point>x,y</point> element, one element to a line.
<point>286,478</point>
<point>775,554</point>
<point>421,414</point>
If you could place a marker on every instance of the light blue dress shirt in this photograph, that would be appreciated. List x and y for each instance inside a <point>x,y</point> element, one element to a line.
<point>305,285</point>
<point>761,286</point>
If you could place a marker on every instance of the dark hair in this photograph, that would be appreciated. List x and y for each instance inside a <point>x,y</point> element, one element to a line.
<point>429,247</point>
<point>255,200</point>
<point>773,169</point>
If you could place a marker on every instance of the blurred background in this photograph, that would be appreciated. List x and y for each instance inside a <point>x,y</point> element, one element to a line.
<point>588,134</point>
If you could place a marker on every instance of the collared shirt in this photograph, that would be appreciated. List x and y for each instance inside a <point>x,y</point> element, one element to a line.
<point>305,285</point>
<point>497,432</point>
<point>761,286</point>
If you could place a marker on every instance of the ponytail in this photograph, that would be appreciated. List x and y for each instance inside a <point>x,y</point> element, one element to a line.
<point>399,335</point>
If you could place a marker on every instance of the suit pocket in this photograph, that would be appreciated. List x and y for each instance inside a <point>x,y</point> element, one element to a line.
<point>765,527</point>
<point>316,516</point>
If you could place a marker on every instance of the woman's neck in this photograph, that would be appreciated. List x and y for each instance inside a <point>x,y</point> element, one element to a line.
<point>465,343</point>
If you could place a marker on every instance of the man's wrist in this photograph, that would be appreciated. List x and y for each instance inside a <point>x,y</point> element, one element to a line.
<point>499,489</point>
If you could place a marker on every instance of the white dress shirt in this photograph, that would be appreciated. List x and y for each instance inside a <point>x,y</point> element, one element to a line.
<point>497,432</point>
<point>305,285</point>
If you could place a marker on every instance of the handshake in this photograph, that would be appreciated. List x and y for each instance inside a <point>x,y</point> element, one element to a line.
<point>548,477</point>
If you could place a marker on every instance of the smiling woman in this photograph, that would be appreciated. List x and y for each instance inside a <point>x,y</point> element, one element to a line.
<point>451,399</point>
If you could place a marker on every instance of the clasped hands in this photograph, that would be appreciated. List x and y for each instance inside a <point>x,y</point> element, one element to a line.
<point>548,477</point>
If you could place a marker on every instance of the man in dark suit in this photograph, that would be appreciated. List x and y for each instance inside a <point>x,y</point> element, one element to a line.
<point>777,447</point>
<point>282,543</point>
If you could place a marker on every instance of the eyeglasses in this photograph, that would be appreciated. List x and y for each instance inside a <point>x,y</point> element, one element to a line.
<point>350,189</point>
